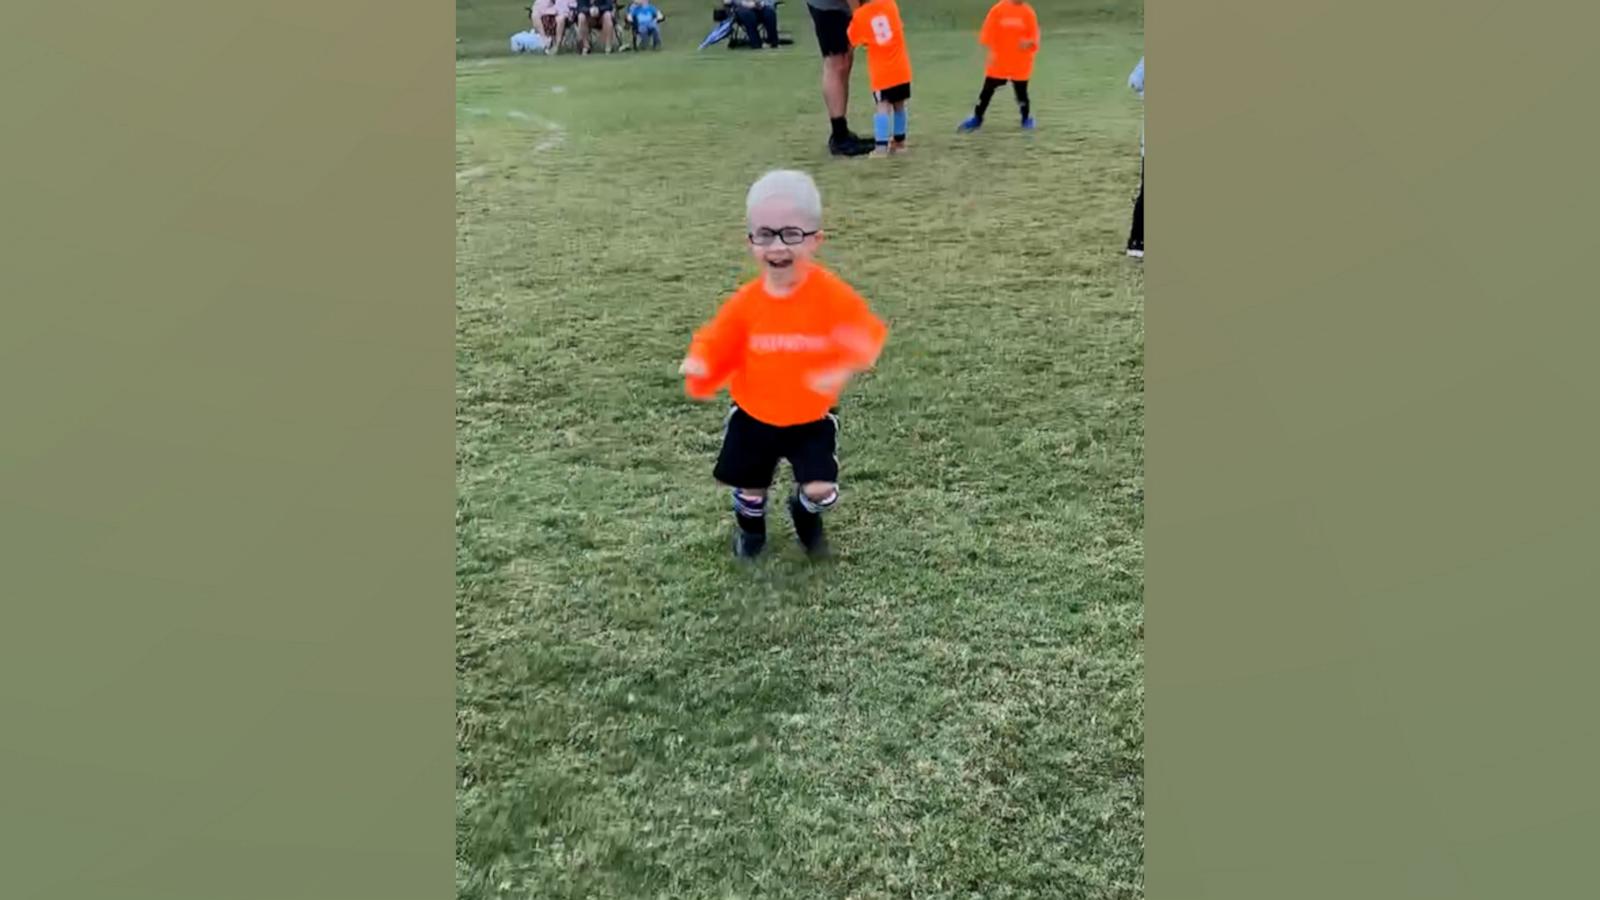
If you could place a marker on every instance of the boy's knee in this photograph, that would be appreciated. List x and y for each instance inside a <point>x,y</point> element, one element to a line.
<point>750,504</point>
<point>821,495</point>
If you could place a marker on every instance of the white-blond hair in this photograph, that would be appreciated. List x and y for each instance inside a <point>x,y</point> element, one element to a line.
<point>790,186</point>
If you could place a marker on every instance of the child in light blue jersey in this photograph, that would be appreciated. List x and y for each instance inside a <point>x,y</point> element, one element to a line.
<point>646,20</point>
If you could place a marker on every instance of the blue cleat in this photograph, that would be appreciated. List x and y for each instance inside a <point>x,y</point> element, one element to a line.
<point>970,125</point>
<point>1027,124</point>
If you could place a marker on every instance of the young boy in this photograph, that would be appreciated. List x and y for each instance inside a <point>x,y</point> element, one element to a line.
<point>646,20</point>
<point>1011,32</point>
<point>876,24</point>
<point>785,343</point>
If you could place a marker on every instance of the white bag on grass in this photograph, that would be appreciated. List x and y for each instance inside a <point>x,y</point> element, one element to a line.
<point>528,42</point>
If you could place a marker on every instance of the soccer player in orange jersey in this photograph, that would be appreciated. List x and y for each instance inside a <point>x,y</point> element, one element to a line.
<point>1011,32</point>
<point>785,344</point>
<point>875,25</point>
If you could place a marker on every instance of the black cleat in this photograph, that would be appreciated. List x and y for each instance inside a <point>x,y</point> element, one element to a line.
<point>808,528</point>
<point>819,549</point>
<point>747,545</point>
<point>851,145</point>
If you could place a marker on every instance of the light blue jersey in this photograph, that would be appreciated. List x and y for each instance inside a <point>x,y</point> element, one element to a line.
<point>645,17</point>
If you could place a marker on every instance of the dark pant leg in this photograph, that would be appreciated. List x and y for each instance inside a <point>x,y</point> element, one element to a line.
<point>747,19</point>
<point>987,94</point>
<point>1020,88</point>
<point>769,24</point>
<point>1136,235</point>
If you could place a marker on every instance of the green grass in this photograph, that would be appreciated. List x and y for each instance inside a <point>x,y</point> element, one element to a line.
<point>952,709</point>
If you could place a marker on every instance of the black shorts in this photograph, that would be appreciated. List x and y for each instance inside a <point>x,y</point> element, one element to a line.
<point>752,449</point>
<point>605,7</point>
<point>833,31</point>
<point>893,94</point>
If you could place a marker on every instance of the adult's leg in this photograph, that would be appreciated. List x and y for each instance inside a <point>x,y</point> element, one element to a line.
<point>608,30</point>
<point>832,28</point>
<point>583,32</point>
<point>748,22</point>
<point>836,84</point>
<point>769,24</point>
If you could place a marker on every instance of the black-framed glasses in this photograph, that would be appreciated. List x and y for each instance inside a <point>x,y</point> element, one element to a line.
<point>763,237</point>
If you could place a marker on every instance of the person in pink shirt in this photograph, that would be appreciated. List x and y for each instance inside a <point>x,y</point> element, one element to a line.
<point>551,18</point>
<point>542,15</point>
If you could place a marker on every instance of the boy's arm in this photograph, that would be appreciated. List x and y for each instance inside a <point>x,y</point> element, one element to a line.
<point>1030,41</point>
<point>860,334</point>
<point>858,29</point>
<point>859,337</point>
<point>714,353</point>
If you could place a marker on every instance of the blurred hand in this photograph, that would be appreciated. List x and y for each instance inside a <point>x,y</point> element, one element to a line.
<point>693,367</point>
<point>855,340</point>
<point>828,381</point>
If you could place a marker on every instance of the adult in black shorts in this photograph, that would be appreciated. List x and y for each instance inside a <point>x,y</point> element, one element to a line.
<point>832,21</point>
<point>601,11</point>
<point>759,19</point>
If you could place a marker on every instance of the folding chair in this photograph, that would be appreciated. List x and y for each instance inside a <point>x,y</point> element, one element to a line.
<point>726,28</point>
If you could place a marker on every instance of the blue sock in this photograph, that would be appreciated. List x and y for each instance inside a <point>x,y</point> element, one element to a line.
<point>880,127</point>
<point>900,124</point>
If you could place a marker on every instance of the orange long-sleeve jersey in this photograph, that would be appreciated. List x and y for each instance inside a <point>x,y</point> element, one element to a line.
<point>769,350</point>
<point>876,26</point>
<point>1004,31</point>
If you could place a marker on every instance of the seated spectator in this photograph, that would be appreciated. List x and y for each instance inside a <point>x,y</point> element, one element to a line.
<point>542,15</point>
<point>563,15</point>
<point>645,21</point>
<point>592,11</point>
<point>756,17</point>
<point>534,39</point>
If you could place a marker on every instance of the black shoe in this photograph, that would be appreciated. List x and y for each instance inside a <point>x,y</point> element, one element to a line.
<point>747,545</point>
<point>808,528</point>
<point>820,549</point>
<point>850,145</point>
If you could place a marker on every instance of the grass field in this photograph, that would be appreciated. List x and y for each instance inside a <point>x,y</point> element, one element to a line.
<point>954,708</point>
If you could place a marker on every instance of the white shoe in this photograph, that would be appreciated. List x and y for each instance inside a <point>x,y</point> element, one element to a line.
<point>1136,253</point>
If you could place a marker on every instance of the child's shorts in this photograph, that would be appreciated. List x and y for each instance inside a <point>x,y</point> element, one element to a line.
<point>895,94</point>
<point>752,449</point>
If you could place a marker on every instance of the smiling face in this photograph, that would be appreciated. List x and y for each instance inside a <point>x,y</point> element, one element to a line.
<point>783,264</point>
